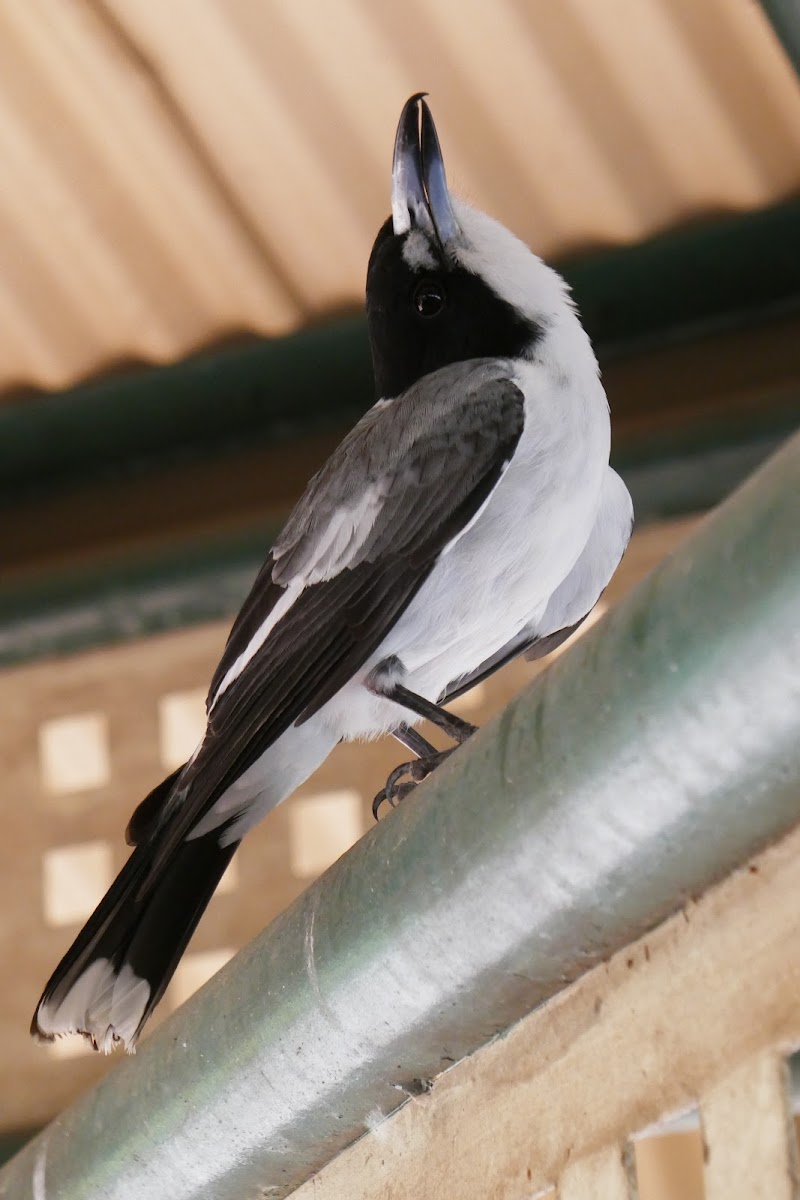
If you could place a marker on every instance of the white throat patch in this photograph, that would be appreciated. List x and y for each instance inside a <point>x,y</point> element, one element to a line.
<point>417,252</point>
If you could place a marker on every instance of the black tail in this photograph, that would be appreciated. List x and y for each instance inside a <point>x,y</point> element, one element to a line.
<point>117,969</point>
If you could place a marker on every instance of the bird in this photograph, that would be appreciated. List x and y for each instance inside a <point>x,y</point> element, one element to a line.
<point>469,517</point>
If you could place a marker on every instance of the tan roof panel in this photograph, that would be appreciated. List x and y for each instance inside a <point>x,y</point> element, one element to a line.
<point>177,172</point>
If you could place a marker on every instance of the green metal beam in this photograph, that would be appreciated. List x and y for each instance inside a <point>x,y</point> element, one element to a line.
<point>13,1141</point>
<point>199,447</point>
<point>712,275</point>
<point>208,579</point>
<point>657,755</point>
<point>785,17</point>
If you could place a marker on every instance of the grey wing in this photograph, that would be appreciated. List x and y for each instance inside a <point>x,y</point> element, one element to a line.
<point>360,544</point>
<point>411,448</point>
<point>576,595</point>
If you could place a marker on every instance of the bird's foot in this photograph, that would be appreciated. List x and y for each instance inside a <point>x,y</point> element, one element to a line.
<point>405,778</point>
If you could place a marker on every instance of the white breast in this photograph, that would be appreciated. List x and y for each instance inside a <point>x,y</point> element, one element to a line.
<point>502,572</point>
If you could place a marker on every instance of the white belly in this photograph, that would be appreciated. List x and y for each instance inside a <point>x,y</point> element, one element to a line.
<point>500,574</point>
<point>494,579</point>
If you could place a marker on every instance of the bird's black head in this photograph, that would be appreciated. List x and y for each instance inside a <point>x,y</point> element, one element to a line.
<point>445,282</point>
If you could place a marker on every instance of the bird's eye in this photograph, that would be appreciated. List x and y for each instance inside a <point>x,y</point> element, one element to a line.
<point>429,298</point>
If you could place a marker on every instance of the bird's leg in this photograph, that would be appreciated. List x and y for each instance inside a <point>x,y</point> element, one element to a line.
<point>450,724</point>
<point>413,741</point>
<point>405,778</point>
<point>394,790</point>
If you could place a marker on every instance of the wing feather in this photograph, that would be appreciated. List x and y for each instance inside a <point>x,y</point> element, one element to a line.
<point>432,458</point>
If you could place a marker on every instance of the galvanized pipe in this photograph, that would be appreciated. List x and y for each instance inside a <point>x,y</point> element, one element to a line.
<point>651,760</point>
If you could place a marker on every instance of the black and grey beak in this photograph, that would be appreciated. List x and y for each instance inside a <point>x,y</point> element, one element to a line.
<point>420,198</point>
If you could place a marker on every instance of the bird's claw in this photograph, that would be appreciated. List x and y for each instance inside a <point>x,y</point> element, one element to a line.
<point>414,772</point>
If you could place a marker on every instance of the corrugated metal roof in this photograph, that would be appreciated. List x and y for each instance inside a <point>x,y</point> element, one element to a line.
<point>174,173</point>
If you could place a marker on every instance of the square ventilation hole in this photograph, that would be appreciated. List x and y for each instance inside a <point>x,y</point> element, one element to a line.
<point>73,753</point>
<point>74,880</point>
<point>669,1159</point>
<point>321,828</point>
<point>181,725</point>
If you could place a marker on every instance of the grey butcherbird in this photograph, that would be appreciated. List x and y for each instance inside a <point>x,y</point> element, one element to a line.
<point>470,516</point>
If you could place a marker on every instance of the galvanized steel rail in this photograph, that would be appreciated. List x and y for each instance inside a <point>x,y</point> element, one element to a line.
<point>656,756</point>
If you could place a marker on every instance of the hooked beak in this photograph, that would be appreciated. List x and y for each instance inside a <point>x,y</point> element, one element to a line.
<point>420,198</point>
